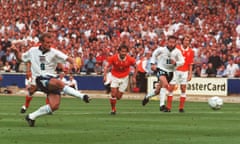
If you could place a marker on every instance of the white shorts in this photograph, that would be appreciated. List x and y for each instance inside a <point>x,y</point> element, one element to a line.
<point>33,81</point>
<point>109,78</point>
<point>120,83</point>
<point>179,77</point>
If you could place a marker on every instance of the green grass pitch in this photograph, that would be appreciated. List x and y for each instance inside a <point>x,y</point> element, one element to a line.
<point>79,123</point>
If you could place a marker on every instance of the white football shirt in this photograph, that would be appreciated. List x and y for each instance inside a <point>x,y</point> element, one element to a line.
<point>43,63</point>
<point>162,58</point>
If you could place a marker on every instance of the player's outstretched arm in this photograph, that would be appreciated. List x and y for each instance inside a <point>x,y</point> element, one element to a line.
<point>106,69</point>
<point>18,54</point>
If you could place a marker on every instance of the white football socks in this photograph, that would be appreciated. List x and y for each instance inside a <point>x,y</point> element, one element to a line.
<point>72,92</point>
<point>151,94</point>
<point>162,96</point>
<point>43,110</point>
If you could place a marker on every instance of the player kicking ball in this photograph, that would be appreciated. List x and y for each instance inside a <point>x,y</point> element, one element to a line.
<point>44,60</point>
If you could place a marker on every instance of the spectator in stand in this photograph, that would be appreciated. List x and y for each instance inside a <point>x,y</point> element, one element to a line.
<point>8,57</point>
<point>237,58</point>
<point>203,72</point>
<point>72,82</point>
<point>215,59</point>
<point>221,71</point>
<point>197,71</point>
<point>7,67</point>
<point>2,53</point>
<point>5,42</point>
<point>83,22</point>
<point>89,64</point>
<point>224,59</point>
<point>232,68</point>
<point>211,71</point>
<point>78,61</point>
<point>62,78</point>
<point>98,69</point>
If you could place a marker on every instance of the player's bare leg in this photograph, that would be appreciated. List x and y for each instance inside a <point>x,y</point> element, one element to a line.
<point>54,102</point>
<point>55,84</point>
<point>113,100</point>
<point>153,93</point>
<point>170,97</point>
<point>182,98</point>
<point>28,98</point>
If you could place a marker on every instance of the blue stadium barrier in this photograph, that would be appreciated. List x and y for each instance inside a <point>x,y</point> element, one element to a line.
<point>233,86</point>
<point>93,82</point>
<point>13,79</point>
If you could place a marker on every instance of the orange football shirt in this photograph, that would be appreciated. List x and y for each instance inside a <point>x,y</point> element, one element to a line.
<point>188,55</point>
<point>121,68</point>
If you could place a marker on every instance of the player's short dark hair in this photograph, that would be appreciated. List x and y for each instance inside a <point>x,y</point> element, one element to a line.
<point>172,37</point>
<point>123,46</point>
<point>43,35</point>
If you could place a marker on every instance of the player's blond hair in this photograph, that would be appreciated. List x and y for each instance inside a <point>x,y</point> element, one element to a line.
<point>44,35</point>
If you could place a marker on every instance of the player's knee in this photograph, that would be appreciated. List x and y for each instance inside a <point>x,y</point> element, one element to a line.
<point>183,88</point>
<point>31,90</point>
<point>157,92</point>
<point>171,88</point>
<point>114,92</point>
<point>119,97</point>
<point>54,107</point>
<point>165,86</point>
<point>58,84</point>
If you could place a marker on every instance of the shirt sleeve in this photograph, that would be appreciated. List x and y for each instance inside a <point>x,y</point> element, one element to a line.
<point>61,57</point>
<point>181,60</point>
<point>155,53</point>
<point>26,56</point>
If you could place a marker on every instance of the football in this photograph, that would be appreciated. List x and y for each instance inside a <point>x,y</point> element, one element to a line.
<point>215,102</point>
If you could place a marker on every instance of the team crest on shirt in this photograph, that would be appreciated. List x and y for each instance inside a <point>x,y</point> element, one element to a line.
<point>42,58</point>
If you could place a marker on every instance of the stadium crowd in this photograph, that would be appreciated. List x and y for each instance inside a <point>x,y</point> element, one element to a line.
<point>90,31</point>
